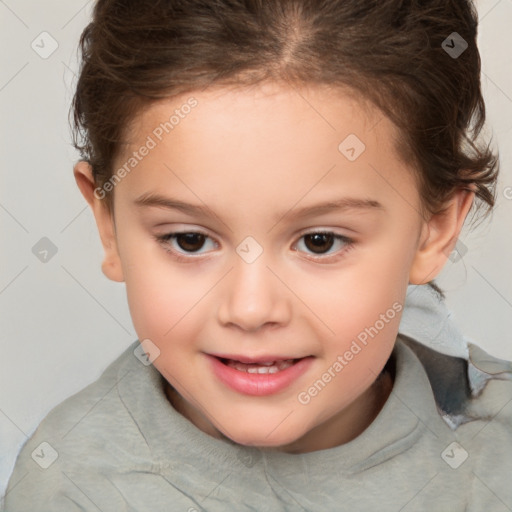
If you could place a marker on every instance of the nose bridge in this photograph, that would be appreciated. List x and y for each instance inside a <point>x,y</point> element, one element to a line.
<point>252,296</point>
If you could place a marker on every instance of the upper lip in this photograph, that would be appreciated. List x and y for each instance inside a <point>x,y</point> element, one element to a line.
<point>255,359</point>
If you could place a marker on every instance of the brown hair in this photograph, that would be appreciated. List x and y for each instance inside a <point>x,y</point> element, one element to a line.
<point>387,51</point>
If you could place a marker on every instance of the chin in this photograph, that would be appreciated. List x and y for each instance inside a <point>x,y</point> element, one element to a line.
<point>261,437</point>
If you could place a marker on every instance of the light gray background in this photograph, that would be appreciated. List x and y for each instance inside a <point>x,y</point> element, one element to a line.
<point>63,322</point>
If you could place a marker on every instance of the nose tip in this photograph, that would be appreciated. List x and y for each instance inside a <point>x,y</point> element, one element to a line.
<point>251,298</point>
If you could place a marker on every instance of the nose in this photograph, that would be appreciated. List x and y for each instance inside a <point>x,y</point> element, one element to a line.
<point>252,297</point>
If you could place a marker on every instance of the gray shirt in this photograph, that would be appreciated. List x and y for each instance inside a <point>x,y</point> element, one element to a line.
<point>119,445</point>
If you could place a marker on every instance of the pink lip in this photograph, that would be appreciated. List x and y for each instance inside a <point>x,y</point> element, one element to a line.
<point>256,359</point>
<point>257,384</point>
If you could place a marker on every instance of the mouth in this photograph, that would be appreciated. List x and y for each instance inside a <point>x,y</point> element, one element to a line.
<point>261,368</point>
<point>258,376</point>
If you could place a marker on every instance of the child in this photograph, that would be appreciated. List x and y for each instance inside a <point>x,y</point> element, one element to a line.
<point>223,142</point>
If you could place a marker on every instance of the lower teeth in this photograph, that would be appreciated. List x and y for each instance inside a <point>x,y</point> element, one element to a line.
<point>261,369</point>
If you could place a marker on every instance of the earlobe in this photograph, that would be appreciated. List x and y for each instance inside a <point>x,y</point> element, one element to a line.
<point>439,236</point>
<point>111,265</point>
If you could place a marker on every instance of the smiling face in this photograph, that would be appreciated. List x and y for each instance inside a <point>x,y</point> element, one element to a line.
<point>258,250</point>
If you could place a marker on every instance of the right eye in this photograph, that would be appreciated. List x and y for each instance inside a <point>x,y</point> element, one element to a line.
<point>184,242</point>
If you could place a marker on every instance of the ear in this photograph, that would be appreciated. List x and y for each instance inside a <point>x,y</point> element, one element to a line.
<point>111,265</point>
<point>438,238</point>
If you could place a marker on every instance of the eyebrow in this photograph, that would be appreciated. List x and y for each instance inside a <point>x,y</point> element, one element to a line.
<point>343,204</point>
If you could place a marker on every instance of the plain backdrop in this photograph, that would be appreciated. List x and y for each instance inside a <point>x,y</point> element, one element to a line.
<point>62,321</point>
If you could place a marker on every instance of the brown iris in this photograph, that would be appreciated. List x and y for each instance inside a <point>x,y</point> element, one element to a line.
<point>190,241</point>
<point>319,242</point>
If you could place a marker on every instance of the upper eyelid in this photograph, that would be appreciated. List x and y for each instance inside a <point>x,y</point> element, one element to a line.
<point>302,233</point>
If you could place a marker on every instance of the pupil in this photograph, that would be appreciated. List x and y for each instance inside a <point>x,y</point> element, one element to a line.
<point>190,241</point>
<point>319,241</point>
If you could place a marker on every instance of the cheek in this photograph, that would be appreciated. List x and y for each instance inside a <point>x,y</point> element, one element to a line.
<point>360,309</point>
<point>356,296</point>
<point>159,292</point>
<point>160,295</point>
<point>353,358</point>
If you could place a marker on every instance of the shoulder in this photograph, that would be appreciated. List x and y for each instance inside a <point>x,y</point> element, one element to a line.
<point>490,380</point>
<point>474,398</point>
<point>84,435</point>
<point>475,389</point>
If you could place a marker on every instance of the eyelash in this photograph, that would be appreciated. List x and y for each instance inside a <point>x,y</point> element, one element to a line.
<point>164,240</point>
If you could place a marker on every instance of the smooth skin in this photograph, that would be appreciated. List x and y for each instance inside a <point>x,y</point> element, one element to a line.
<point>254,157</point>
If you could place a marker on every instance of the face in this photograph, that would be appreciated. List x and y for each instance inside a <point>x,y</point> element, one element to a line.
<point>266,253</point>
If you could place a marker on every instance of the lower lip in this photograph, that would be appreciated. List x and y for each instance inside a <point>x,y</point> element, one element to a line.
<point>258,384</point>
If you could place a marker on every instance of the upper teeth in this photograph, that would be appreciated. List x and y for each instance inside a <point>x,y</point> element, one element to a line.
<point>268,367</point>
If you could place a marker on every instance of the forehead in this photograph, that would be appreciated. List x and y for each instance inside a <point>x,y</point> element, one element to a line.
<point>227,107</point>
<point>318,98</point>
<point>270,136</point>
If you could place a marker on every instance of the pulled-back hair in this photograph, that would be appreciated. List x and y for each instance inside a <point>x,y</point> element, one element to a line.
<point>388,52</point>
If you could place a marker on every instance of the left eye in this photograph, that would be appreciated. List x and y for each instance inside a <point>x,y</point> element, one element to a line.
<point>322,242</point>
<point>187,242</point>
